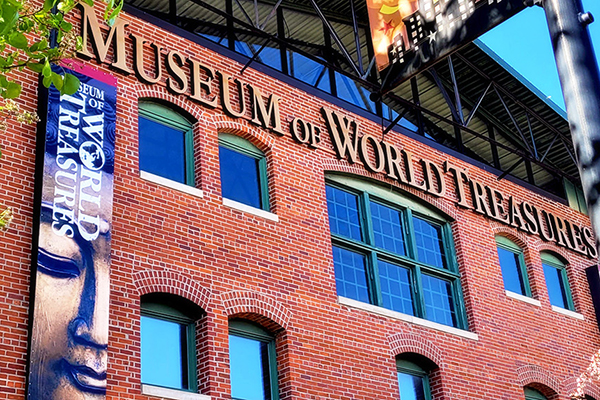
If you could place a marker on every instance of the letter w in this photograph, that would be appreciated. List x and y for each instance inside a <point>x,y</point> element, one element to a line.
<point>339,130</point>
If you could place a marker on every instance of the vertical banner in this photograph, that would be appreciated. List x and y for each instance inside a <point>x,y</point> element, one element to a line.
<point>69,328</point>
<point>411,35</point>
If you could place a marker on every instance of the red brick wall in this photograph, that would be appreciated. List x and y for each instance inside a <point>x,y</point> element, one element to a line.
<point>232,263</point>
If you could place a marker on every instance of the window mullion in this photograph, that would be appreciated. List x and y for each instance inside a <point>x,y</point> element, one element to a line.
<point>273,370</point>
<point>410,234</point>
<point>523,269</point>
<point>417,288</point>
<point>189,157</point>
<point>567,288</point>
<point>374,283</point>
<point>191,357</point>
<point>263,182</point>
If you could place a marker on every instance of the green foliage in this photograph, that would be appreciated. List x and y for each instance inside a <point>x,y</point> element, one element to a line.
<point>25,31</point>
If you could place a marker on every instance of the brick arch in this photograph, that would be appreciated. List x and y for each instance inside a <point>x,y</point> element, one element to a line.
<point>444,206</point>
<point>261,138</point>
<point>510,233</point>
<point>153,281</point>
<point>257,307</point>
<point>589,388</point>
<point>410,343</point>
<point>550,247</point>
<point>141,91</point>
<point>533,375</point>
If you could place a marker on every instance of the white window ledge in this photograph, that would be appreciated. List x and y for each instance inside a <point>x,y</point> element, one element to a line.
<point>147,176</point>
<point>568,313</point>
<point>522,298</point>
<point>407,318</point>
<point>250,210</point>
<point>175,394</point>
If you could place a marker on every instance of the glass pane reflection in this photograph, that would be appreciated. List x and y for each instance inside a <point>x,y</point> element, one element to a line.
<point>249,369</point>
<point>411,387</point>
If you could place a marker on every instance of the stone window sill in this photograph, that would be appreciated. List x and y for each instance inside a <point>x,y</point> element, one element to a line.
<point>147,176</point>
<point>407,318</point>
<point>568,313</point>
<point>522,298</point>
<point>250,210</point>
<point>158,391</point>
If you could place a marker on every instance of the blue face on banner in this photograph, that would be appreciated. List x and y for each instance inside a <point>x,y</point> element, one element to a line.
<point>69,358</point>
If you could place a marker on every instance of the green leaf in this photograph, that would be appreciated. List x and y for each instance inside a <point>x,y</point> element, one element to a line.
<point>57,80</point>
<point>71,84</point>
<point>47,81</point>
<point>18,40</point>
<point>10,15</point>
<point>65,26</point>
<point>89,2</point>
<point>47,70</point>
<point>35,67</point>
<point>48,4</point>
<point>3,81</point>
<point>12,91</point>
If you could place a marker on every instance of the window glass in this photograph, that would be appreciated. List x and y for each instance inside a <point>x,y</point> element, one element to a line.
<point>556,281</point>
<point>430,247</point>
<point>168,336</point>
<point>511,264</point>
<point>411,387</point>
<point>392,253</point>
<point>163,353</point>
<point>343,213</point>
<point>350,274</point>
<point>165,143</point>
<point>243,172</point>
<point>387,228</point>
<point>249,360</point>
<point>252,362</point>
<point>439,306</point>
<point>532,394</point>
<point>396,290</point>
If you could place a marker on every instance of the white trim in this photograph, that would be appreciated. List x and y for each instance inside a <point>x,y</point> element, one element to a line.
<point>182,187</point>
<point>175,394</point>
<point>250,210</point>
<point>522,298</point>
<point>407,318</point>
<point>568,313</point>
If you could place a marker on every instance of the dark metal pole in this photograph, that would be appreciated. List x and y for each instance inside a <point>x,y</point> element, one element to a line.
<point>580,82</point>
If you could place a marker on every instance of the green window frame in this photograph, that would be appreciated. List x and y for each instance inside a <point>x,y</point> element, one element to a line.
<point>557,282</point>
<point>394,270</point>
<point>163,115</point>
<point>509,252</point>
<point>532,394</point>
<point>247,330</point>
<point>163,312</point>
<point>245,148</point>
<point>412,380</point>
<point>575,197</point>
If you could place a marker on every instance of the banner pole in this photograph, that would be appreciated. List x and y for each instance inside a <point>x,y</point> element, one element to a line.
<point>580,82</point>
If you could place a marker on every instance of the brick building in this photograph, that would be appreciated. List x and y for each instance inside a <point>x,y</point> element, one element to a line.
<point>284,244</point>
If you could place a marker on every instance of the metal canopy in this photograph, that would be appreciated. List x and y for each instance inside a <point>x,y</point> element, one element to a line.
<point>471,102</point>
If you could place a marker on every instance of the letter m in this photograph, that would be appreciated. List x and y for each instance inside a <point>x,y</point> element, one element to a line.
<point>116,35</point>
<point>339,130</point>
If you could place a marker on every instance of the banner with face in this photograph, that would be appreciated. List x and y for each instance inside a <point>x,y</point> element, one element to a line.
<point>69,328</point>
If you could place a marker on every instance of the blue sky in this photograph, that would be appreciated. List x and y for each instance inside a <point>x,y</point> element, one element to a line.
<point>524,42</point>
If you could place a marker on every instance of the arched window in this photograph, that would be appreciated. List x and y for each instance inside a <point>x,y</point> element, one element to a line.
<point>556,281</point>
<point>513,268</point>
<point>252,362</point>
<point>392,252</point>
<point>532,394</point>
<point>243,172</point>
<point>413,376</point>
<point>168,341</point>
<point>166,143</point>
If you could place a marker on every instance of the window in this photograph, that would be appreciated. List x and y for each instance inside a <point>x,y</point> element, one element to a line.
<point>512,264</point>
<point>532,394</point>
<point>392,252</point>
<point>252,362</point>
<point>166,143</point>
<point>556,281</point>
<point>413,379</point>
<point>243,172</point>
<point>168,341</point>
